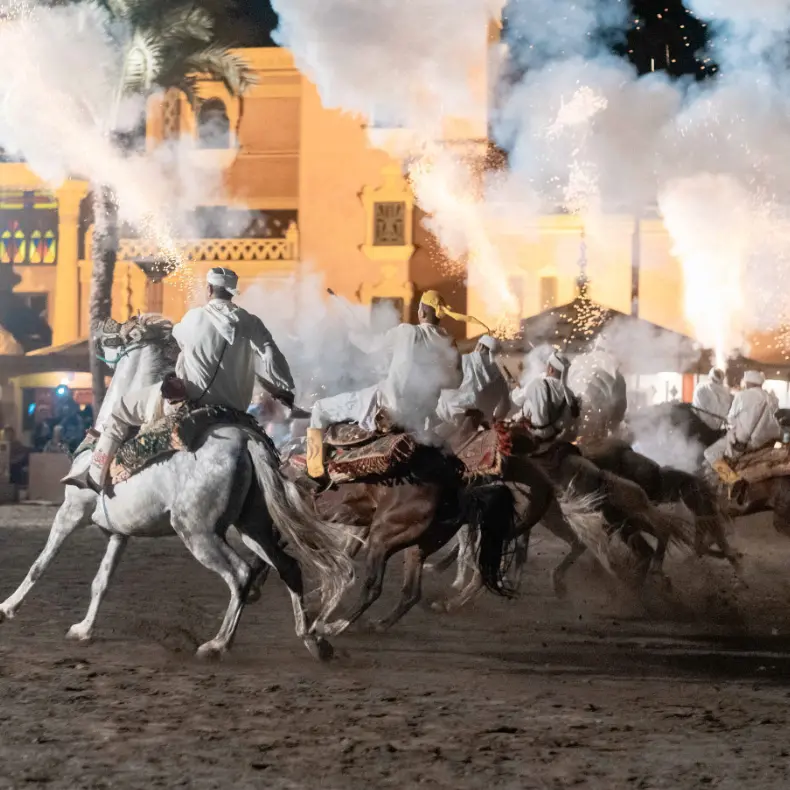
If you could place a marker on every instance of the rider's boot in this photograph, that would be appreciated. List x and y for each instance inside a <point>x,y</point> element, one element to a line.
<point>94,478</point>
<point>316,467</point>
<point>315,453</point>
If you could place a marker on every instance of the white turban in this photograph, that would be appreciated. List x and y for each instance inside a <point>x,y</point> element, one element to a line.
<point>491,343</point>
<point>716,374</point>
<point>559,362</point>
<point>223,278</point>
<point>754,377</point>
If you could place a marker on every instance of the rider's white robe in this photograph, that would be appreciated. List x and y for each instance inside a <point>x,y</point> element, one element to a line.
<point>220,346</point>
<point>714,401</point>
<point>750,424</point>
<point>546,404</point>
<point>424,361</point>
<point>483,388</point>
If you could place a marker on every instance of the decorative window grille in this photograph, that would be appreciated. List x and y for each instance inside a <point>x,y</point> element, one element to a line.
<point>389,224</point>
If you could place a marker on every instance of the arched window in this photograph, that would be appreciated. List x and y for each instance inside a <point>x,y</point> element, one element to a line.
<point>213,125</point>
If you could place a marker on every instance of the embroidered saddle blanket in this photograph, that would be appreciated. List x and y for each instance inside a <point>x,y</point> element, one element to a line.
<point>763,464</point>
<point>484,453</point>
<point>380,457</point>
<point>181,430</point>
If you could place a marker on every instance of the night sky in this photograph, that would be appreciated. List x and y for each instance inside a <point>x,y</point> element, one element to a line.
<point>666,36</point>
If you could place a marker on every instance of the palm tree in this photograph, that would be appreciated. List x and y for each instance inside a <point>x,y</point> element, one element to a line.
<point>165,45</point>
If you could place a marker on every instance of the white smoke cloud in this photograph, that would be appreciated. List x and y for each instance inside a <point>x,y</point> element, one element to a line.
<point>315,333</point>
<point>388,60</point>
<point>656,437</point>
<point>59,102</point>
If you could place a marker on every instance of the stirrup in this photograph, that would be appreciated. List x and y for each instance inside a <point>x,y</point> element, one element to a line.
<point>83,481</point>
<point>318,485</point>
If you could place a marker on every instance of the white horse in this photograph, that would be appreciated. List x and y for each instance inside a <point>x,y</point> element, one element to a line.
<point>231,479</point>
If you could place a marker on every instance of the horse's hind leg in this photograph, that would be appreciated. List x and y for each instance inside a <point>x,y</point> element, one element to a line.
<point>520,556</point>
<point>375,566</point>
<point>211,551</point>
<point>83,631</point>
<point>73,513</point>
<point>465,541</point>
<point>411,591</point>
<point>291,574</point>
<point>559,573</point>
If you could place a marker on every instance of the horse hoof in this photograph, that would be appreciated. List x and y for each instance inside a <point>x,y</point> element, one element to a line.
<point>78,633</point>
<point>210,652</point>
<point>5,616</point>
<point>254,595</point>
<point>333,629</point>
<point>319,648</point>
<point>440,607</point>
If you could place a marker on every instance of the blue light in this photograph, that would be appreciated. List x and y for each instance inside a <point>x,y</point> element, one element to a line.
<point>61,390</point>
<point>31,408</point>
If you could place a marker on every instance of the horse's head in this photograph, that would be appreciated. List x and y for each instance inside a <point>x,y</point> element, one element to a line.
<point>119,341</point>
<point>140,352</point>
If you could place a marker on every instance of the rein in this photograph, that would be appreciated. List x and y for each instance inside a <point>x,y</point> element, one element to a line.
<point>126,351</point>
<point>709,413</point>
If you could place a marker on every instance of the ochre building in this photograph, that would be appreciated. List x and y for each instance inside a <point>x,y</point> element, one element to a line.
<point>307,191</point>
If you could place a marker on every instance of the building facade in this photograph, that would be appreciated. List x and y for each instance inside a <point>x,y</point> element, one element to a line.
<point>306,191</point>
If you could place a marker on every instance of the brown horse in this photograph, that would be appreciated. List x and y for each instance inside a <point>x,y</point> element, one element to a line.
<point>589,505</point>
<point>665,485</point>
<point>418,514</point>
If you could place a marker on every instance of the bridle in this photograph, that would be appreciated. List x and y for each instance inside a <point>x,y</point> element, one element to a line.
<point>127,349</point>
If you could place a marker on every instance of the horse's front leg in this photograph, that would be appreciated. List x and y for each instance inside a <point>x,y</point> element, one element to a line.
<point>82,632</point>
<point>411,591</point>
<point>75,512</point>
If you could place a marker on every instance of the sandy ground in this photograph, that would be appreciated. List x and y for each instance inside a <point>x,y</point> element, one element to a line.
<point>590,693</point>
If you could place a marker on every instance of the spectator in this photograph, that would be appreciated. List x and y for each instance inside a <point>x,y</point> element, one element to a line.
<point>70,422</point>
<point>56,443</point>
<point>18,457</point>
<point>42,428</point>
<point>87,417</point>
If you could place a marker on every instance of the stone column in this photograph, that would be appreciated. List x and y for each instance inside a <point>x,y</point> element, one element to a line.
<point>65,323</point>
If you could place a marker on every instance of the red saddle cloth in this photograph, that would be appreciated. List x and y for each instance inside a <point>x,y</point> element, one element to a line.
<point>353,453</point>
<point>484,453</point>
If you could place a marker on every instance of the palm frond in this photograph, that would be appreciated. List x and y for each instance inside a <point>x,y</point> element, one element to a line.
<point>118,9</point>
<point>142,64</point>
<point>217,62</point>
<point>188,85</point>
<point>185,23</point>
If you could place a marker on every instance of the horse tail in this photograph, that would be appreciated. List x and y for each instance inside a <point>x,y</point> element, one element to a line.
<point>320,549</point>
<point>489,509</point>
<point>582,513</point>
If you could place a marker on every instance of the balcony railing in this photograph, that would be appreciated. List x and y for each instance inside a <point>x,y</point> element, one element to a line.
<point>221,250</point>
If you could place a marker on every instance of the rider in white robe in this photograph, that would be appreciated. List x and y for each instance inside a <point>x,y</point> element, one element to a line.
<point>751,423</point>
<point>547,405</point>
<point>424,361</point>
<point>713,400</point>
<point>220,343</point>
<point>483,388</point>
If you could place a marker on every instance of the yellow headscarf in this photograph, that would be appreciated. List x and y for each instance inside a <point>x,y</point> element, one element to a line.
<point>434,299</point>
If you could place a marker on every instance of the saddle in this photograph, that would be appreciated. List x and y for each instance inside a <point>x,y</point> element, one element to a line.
<point>356,454</point>
<point>181,430</point>
<point>763,464</point>
<point>485,452</point>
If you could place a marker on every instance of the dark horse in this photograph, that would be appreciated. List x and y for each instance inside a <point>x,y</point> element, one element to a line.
<point>702,494</point>
<point>664,484</point>
<point>418,513</point>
